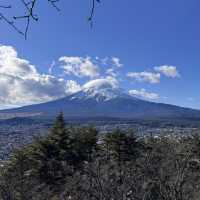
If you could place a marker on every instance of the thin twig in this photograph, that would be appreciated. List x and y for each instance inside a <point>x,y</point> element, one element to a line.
<point>30,15</point>
<point>90,19</point>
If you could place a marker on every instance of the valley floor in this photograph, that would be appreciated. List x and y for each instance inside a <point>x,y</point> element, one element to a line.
<point>16,135</point>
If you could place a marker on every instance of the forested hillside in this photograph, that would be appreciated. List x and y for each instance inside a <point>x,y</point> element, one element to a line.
<point>79,164</point>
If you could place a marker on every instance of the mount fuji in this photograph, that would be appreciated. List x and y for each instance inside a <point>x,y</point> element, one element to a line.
<point>100,98</point>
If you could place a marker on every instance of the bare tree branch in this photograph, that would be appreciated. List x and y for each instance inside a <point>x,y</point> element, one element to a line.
<point>30,15</point>
<point>90,19</point>
<point>4,18</point>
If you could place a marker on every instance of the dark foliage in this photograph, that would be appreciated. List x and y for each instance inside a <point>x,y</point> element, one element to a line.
<point>77,163</point>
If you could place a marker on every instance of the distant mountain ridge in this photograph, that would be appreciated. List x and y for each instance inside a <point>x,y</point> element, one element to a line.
<point>102,99</point>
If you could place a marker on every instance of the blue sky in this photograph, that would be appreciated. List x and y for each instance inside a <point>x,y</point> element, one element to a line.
<point>142,34</point>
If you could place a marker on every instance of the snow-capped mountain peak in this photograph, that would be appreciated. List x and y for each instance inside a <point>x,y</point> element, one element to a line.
<point>99,90</point>
<point>103,98</point>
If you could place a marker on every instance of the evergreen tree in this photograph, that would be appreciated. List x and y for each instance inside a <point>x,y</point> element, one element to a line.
<point>123,146</point>
<point>85,143</point>
<point>58,129</point>
<point>51,169</point>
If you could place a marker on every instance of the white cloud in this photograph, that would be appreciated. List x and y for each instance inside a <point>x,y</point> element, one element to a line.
<point>145,77</point>
<point>11,65</point>
<point>112,72</point>
<point>144,94</point>
<point>21,84</point>
<point>108,82</point>
<point>116,62</point>
<point>104,61</point>
<point>79,66</point>
<point>169,71</point>
<point>116,65</point>
<point>51,67</point>
<point>73,86</point>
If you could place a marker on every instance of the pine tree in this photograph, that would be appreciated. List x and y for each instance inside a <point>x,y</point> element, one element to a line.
<point>58,129</point>
<point>51,169</point>
<point>123,146</point>
<point>85,143</point>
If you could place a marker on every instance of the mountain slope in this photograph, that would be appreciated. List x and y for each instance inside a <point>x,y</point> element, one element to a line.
<point>102,99</point>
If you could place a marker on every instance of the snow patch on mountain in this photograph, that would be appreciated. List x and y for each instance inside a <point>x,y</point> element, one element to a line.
<point>100,90</point>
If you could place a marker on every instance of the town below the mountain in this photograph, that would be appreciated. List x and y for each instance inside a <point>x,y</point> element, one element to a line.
<point>18,132</point>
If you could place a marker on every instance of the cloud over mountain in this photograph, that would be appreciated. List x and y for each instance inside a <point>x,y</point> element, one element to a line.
<point>21,83</point>
<point>102,83</point>
<point>73,86</point>
<point>144,94</point>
